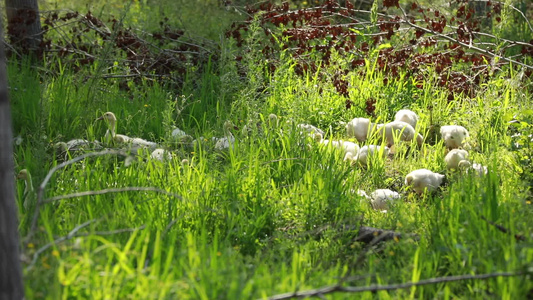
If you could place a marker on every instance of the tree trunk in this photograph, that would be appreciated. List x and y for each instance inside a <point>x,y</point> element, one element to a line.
<point>24,25</point>
<point>10,270</point>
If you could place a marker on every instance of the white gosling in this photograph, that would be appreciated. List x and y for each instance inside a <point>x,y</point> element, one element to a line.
<point>142,143</point>
<point>362,193</point>
<point>273,121</point>
<point>382,198</point>
<point>360,128</point>
<point>178,135</point>
<point>403,131</point>
<point>110,134</point>
<point>478,169</point>
<point>454,157</point>
<point>161,154</point>
<point>424,179</point>
<point>350,148</point>
<point>29,194</point>
<point>228,140</point>
<point>310,129</point>
<point>454,136</point>
<point>371,150</point>
<point>72,145</point>
<point>350,157</point>
<point>407,116</point>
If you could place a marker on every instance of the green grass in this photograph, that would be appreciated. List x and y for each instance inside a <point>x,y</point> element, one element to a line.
<point>275,213</point>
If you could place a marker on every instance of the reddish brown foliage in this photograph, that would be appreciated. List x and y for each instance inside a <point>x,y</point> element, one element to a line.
<point>318,32</point>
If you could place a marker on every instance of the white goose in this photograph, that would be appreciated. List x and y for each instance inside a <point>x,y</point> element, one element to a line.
<point>134,143</point>
<point>181,137</point>
<point>455,157</point>
<point>350,149</point>
<point>310,129</point>
<point>371,150</point>
<point>478,169</point>
<point>228,140</point>
<point>400,129</point>
<point>360,128</point>
<point>424,179</point>
<point>110,134</point>
<point>453,135</point>
<point>161,154</point>
<point>382,198</point>
<point>77,144</point>
<point>178,133</point>
<point>407,116</point>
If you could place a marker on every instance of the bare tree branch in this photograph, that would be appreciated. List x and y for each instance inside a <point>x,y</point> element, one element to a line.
<point>375,288</point>
<point>112,190</point>
<point>511,6</point>
<point>42,187</point>
<point>469,46</point>
<point>74,233</point>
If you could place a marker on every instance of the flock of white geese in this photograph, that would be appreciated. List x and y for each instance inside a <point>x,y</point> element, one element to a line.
<point>402,129</point>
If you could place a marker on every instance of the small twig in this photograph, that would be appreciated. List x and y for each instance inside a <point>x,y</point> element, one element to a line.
<point>514,8</point>
<point>469,46</point>
<point>501,228</point>
<point>59,240</point>
<point>42,187</point>
<point>375,288</point>
<point>111,190</point>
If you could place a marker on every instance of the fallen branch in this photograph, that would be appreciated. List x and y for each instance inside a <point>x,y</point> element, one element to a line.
<point>369,234</point>
<point>518,237</point>
<point>375,288</point>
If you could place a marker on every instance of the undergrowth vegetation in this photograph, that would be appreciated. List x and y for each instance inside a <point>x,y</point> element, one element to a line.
<point>275,212</point>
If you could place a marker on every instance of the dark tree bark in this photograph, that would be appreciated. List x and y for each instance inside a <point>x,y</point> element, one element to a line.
<point>24,25</point>
<point>10,270</point>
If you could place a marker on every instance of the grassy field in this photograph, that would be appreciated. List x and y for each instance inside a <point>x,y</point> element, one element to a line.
<point>275,213</point>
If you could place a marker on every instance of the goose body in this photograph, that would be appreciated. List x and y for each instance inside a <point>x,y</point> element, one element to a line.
<point>478,169</point>
<point>273,121</point>
<point>110,135</point>
<point>402,130</point>
<point>228,140</point>
<point>349,148</point>
<point>407,116</point>
<point>370,150</point>
<point>346,146</point>
<point>142,143</point>
<point>161,155</point>
<point>360,128</point>
<point>77,144</point>
<point>454,157</point>
<point>180,136</point>
<point>308,128</point>
<point>363,194</point>
<point>382,198</point>
<point>177,133</point>
<point>424,179</point>
<point>453,136</point>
